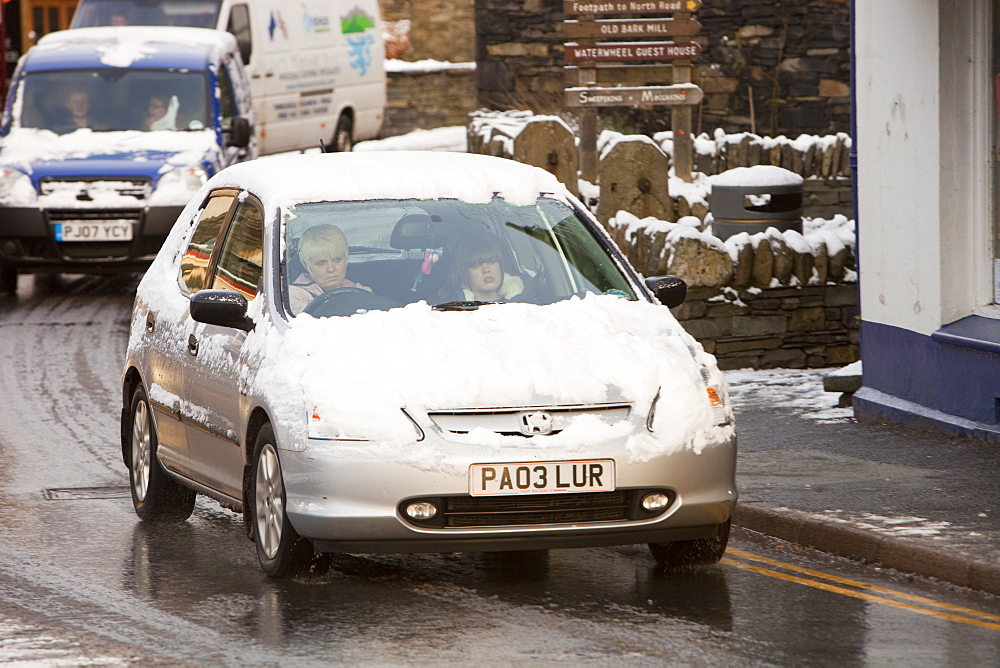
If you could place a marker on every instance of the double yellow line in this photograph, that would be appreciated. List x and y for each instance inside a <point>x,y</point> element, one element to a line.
<point>860,590</point>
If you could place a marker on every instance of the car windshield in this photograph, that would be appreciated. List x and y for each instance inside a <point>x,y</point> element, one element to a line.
<point>344,258</point>
<point>194,13</point>
<point>105,99</point>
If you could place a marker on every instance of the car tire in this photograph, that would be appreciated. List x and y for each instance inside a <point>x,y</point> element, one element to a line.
<point>684,553</point>
<point>280,550</point>
<point>156,496</point>
<point>343,136</point>
<point>8,280</point>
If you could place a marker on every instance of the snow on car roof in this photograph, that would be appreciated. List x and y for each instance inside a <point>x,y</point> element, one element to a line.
<point>311,177</point>
<point>125,46</point>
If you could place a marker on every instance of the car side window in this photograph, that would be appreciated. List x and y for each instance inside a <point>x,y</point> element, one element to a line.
<point>195,262</point>
<point>241,258</point>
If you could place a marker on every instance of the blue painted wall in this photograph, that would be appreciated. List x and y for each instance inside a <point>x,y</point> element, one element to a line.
<point>934,372</point>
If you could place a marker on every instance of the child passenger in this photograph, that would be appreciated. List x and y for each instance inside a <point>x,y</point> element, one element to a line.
<point>323,252</point>
<point>477,272</point>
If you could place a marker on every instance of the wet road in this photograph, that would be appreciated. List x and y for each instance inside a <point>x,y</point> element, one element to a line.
<point>82,581</point>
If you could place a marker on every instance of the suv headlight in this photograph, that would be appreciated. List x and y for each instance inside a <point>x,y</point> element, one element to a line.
<point>176,186</point>
<point>16,188</point>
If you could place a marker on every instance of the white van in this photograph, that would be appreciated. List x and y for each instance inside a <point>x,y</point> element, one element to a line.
<point>316,67</point>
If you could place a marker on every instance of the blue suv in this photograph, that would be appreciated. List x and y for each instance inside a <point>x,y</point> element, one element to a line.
<point>106,134</point>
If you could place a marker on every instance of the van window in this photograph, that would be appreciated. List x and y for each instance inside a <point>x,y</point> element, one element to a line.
<point>105,99</point>
<point>194,13</point>
<point>239,25</point>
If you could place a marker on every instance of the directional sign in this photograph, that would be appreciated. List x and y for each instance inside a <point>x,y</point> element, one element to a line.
<point>646,7</point>
<point>646,96</point>
<point>630,28</point>
<point>630,51</point>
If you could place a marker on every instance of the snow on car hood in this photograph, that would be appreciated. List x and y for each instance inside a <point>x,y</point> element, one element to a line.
<point>359,373</point>
<point>87,154</point>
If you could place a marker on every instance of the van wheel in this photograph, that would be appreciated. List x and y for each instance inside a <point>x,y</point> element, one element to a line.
<point>343,136</point>
<point>156,496</point>
<point>280,550</point>
<point>683,553</point>
<point>8,280</point>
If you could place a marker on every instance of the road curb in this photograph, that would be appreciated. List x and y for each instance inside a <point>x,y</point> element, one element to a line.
<point>901,554</point>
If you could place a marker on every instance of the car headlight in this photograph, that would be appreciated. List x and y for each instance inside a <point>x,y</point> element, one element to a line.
<point>323,429</point>
<point>716,399</point>
<point>176,186</point>
<point>16,188</point>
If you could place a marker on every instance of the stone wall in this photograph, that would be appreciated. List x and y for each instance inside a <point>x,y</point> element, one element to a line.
<point>776,67</point>
<point>790,59</point>
<point>822,161</point>
<point>438,29</point>
<point>768,300</point>
<point>519,55</point>
<point>423,98</point>
<point>783,327</point>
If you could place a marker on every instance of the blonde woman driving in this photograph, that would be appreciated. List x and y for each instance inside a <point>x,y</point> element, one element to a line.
<point>322,250</point>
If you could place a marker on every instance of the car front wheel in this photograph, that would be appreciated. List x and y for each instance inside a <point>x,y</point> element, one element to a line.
<point>684,553</point>
<point>280,550</point>
<point>155,495</point>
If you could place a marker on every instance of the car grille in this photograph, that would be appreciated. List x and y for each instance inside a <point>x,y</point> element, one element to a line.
<point>517,421</point>
<point>90,190</point>
<point>493,511</point>
<point>94,215</point>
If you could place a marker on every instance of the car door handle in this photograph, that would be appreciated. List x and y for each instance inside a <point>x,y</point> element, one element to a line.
<point>150,322</point>
<point>193,345</point>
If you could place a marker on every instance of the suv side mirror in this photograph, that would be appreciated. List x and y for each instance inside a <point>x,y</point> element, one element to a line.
<point>239,133</point>
<point>224,308</point>
<point>670,290</point>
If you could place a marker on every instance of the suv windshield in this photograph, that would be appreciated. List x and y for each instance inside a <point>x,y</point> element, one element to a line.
<point>343,258</point>
<point>193,13</point>
<point>113,99</point>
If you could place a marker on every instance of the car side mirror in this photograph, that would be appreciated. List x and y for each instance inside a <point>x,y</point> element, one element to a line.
<point>239,133</point>
<point>670,290</point>
<point>224,308</point>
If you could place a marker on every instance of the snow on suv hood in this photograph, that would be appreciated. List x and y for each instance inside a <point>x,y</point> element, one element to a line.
<point>87,154</point>
<point>358,373</point>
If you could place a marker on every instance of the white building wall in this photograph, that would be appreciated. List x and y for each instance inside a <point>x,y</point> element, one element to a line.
<point>924,211</point>
<point>899,153</point>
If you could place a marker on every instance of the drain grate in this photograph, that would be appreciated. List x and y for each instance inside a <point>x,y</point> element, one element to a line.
<point>86,493</point>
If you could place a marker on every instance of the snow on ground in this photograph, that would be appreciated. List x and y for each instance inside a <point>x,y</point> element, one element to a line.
<point>799,390</point>
<point>439,139</point>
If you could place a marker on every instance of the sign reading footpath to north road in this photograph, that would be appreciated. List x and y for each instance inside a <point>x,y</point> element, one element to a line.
<point>647,7</point>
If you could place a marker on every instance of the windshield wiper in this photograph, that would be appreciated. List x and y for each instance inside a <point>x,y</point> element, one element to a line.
<point>460,306</point>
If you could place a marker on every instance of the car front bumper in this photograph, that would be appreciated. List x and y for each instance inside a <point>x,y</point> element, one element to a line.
<point>27,240</point>
<point>352,503</point>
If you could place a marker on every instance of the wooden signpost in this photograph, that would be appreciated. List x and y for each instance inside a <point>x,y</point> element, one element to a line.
<point>597,46</point>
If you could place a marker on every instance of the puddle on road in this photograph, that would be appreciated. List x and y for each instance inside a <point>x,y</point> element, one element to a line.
<point>86,493</point>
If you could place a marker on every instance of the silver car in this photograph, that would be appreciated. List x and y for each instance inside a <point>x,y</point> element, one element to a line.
<point>419,352</point>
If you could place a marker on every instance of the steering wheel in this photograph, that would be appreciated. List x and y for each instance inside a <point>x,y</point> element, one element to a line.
<point>347,301</point>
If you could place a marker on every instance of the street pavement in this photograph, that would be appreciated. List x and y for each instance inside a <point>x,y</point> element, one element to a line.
<point>914,500</point>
